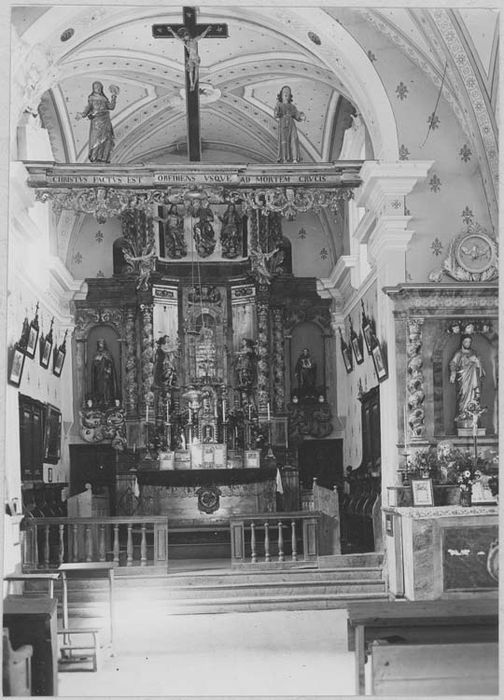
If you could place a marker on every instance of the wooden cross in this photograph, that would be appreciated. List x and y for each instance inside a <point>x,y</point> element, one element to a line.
<point>190,33</point>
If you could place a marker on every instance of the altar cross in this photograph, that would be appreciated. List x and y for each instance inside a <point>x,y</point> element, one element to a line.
<point>190,33</point>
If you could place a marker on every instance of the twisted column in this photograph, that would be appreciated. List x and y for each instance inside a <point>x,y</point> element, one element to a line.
<point>147,354</point>
<point>130,380</point>
<point>262,353</point>
<point>415,379</point>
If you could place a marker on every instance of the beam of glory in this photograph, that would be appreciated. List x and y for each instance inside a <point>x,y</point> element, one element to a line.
<point>190,33</point>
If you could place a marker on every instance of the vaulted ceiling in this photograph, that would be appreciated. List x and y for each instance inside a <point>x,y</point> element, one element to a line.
<point>239,76</point>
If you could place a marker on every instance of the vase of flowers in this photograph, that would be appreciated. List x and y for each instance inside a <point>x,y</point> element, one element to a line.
<point>466,479</point>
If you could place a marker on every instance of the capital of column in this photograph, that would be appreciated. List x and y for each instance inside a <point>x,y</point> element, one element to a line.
<point>382,181</point>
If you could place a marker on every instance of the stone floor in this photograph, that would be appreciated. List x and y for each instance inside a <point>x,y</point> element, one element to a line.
<point>289,653</point>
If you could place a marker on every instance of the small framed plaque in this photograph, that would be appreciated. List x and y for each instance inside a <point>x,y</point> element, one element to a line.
<point>252,459</point>
<point>422,492</point>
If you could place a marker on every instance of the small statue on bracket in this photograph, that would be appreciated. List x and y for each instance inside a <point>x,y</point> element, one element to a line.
<point>287,115</point>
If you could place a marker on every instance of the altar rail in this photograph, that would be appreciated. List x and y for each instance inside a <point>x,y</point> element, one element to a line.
<point>275,538</point>
<point>127,541</point>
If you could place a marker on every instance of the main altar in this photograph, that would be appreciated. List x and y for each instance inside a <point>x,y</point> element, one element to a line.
<point>202,362</point>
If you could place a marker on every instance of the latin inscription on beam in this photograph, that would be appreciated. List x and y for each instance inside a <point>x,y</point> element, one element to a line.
<point>344,174</point>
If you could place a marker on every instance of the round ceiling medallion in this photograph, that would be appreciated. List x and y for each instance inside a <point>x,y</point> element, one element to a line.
<point>315,38</point>
<point>67,34</point>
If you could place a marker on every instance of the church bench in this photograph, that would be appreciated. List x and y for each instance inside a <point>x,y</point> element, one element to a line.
<point>421,622</point>
<point>434,669</point>
<point>16,668</point>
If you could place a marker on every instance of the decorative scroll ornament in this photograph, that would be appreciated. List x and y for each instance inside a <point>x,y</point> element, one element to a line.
<point>106,202</point>
<point>472,257</point>
<point>97,425</point>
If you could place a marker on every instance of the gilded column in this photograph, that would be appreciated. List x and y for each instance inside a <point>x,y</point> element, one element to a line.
<point>415,379</point>
<point>130,381</point>
<point>147,354</point>
<point>278,361</point>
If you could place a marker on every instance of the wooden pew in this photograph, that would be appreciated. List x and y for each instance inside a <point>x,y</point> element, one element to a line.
<point>419,622</point>
<point>16,668</point>
<point>434,669</point>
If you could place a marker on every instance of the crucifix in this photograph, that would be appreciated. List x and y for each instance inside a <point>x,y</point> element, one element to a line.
<point>190,33</point>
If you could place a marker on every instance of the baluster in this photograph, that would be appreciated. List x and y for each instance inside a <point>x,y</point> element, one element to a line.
<point>143,548</point>
<point>61,551</point>
<point>293,541</point>
<point>75,542</point>
<point>253,542</point>
<point>36,547</point>
<point>46,546</point>
<point>129,546</point>
<point>280,541</point>
<point>101,544</point>
<point>88,546</point>
<point>116,545</point>
<point>266,542</point>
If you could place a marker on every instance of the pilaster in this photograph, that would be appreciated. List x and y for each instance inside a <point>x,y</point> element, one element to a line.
<point>385,229</point>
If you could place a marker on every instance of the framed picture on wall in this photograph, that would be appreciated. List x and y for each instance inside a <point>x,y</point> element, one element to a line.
<point>45,347</point>
<point>33,335</point>
<point>346,352</point>
<point>379,362</point>
<point>16,365</point>
<point>422,492</point>
<point>59,357</point>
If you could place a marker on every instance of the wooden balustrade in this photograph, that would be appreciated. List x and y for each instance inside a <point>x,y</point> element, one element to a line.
<point>260,538</point>
<point>127,541</point>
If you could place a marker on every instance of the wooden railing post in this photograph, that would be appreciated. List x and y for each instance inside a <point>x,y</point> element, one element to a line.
<point>101,543</point>
<point>293,540</point>
<point>161,543</point>
<point>75,542</point>
<point>310,538</point>
<point>115,546</point>
<point>237,541</point>
<point>129,546</point>
<point>280,542</point>
<point>47,558</point>
<point>61,548</point>
<point>266,542</point>
<point>253,542</point>
<point>143,547</point>
<point>88,543</point>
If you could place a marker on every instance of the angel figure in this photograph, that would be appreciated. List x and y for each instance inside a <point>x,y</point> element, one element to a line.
<point>144,264</point>
<point>259,261</point>
<point>192,58</point>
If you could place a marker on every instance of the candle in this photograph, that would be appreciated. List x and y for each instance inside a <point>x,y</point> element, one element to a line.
<point>190,416</point>
<point>405,420</point>
<point>167,412</point>
<point>250,412</point>
<point>146,412</point>
<point>269,415</point>
<point>223,410</point>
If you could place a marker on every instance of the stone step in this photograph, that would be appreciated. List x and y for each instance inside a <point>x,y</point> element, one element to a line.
<point>228,590</point>
<point>214,578</point>
<point>98,612</point>
<point>334,561</point>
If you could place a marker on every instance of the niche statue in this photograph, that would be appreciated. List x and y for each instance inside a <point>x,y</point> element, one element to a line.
<point>467,373</point>
<point>103,376</point>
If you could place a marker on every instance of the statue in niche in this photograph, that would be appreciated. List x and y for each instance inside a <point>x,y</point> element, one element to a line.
<point>192,57</point>
<point>173,233</point>
<point>231,233</point>
<point>467,373</point>
<point>103,376</point>
<point>287,115</point>
<point>306,371</point>
<point>204,234</point>
<point>165,368</point>
<point>245,361</point>
<point>101,133</point>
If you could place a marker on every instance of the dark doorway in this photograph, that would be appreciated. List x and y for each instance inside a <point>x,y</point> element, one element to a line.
<point>322,459</point>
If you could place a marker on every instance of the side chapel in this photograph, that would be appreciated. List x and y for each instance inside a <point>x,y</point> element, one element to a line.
<point>252,274</point>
